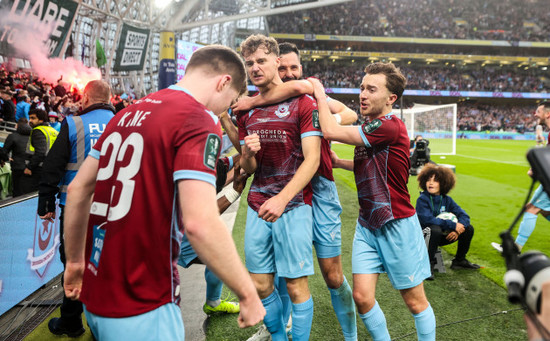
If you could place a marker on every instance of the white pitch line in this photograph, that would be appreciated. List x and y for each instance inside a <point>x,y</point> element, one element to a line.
<point>520,163</point>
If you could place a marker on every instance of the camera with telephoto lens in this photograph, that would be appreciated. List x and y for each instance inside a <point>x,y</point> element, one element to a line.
<point>526,273</point>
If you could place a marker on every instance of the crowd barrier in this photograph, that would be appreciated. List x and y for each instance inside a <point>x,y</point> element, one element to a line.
<point>29,250</point>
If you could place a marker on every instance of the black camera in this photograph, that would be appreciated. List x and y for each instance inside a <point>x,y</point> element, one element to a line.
<point>527,273</point>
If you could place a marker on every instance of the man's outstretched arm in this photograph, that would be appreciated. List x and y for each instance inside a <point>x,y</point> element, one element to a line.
<point>330,128</point>
<point>213,244</point>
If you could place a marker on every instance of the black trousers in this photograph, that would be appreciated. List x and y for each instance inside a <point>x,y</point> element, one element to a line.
<point>70,310</point>
<point>438,238</point>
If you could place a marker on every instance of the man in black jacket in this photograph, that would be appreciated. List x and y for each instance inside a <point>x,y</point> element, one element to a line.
<point>7,111</point>
<point>16,144</point>
<point>78,133</point>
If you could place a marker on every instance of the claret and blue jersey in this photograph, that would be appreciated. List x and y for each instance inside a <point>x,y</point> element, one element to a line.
<point>381,169</point>
<point>281,128</point>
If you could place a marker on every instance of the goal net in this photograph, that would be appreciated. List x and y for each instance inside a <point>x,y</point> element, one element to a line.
<point>436,123</point>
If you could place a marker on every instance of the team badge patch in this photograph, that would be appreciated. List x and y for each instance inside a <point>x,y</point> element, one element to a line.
<point>282,110</point>
<point>372,126</point>
<point>211,150</point>
<point>315,119</point>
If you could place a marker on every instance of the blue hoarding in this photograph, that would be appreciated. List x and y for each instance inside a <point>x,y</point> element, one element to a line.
<point>29,252</point>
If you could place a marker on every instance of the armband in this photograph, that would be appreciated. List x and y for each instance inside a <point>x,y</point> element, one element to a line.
<point>232,195</point>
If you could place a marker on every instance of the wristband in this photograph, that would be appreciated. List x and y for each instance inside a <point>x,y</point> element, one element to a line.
<point>232,195</point>
<point>338,118</point>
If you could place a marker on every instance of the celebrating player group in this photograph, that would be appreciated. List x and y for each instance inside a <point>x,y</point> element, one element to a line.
<point>151,178</point>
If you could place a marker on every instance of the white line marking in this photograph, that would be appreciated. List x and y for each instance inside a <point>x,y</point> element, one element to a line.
<point>517,163</point>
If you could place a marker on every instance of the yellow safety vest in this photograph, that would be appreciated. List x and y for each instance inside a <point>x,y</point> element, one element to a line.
<point>49,132</point>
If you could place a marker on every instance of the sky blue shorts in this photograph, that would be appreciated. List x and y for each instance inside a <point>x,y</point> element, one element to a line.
<point>283,247</point>
<point>163,323</point>
<point>540,199</point>
<point>327,236</point>
<point>187,254</point>
<point>397,248</point>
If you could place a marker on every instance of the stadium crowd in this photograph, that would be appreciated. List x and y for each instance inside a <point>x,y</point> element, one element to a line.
<point>469,19</point>
<point>27,93</point>
<point>437,78</point>
<point>484,117</point>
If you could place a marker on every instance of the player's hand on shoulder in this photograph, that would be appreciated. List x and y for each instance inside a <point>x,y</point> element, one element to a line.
<point>244,103</point>
<point>272,209</point>
<point>252,144</point>
<point>318,88</point>
<point>252,312</point>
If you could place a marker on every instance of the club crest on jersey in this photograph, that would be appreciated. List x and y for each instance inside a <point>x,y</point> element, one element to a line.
<point>211,150</point>
<point>372,126</point>
<point>315,119</point>
<point>282,110</point>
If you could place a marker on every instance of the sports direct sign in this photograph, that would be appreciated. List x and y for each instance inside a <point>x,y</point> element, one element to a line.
<point>132,46</point>
<point>29,252</point>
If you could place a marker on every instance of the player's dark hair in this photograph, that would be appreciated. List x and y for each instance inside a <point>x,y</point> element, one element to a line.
<point>218,59</point>
<point>42,115</point>
<point>545,104</point>
<point>443,175</point>
<point>256,41</point>
<point>286,48</point>
<point>395,81</point>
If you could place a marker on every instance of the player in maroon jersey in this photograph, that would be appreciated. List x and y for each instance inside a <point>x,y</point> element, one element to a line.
<point>150,177</point>
<point>388,236</point>
<point>280,144</point>
<point>325,203</point>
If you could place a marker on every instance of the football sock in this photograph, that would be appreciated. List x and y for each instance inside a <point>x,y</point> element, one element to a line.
<point>375,321</point>
<point>302,317</point>
<point>425,324</point>
<point>526,227</point>
<point>344,307</point>
<point>273,319</point>
<point>280,284</point>
<point>213,288</point>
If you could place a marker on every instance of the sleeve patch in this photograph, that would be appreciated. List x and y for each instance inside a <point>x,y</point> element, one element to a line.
<point>211,150</point>
<point>372,126</point>
<point>315,119</point>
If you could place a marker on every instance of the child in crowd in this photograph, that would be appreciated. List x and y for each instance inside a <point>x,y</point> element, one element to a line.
<point>436,182</point>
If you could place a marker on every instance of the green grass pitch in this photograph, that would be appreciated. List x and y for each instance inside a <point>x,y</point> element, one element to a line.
<point>491,186</point>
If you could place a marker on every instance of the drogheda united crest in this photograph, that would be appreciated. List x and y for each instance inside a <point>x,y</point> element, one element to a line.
<point>282,110</point>
<point>46,241</point>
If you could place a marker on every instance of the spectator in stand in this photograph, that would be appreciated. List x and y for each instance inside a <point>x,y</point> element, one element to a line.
<point>16,146</point>
<point>124,102</point>
<point>468,19</point>
<point>7,111</point>
<point>53,121</point>
<point>436,182</point>
<point>60,89</point>
<point>22,108</point>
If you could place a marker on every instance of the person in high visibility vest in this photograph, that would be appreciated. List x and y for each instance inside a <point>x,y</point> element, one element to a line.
<point>41,140</point>
<point>78,134</point>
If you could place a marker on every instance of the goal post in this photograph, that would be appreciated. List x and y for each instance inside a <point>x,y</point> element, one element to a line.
<point>436,123</point>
